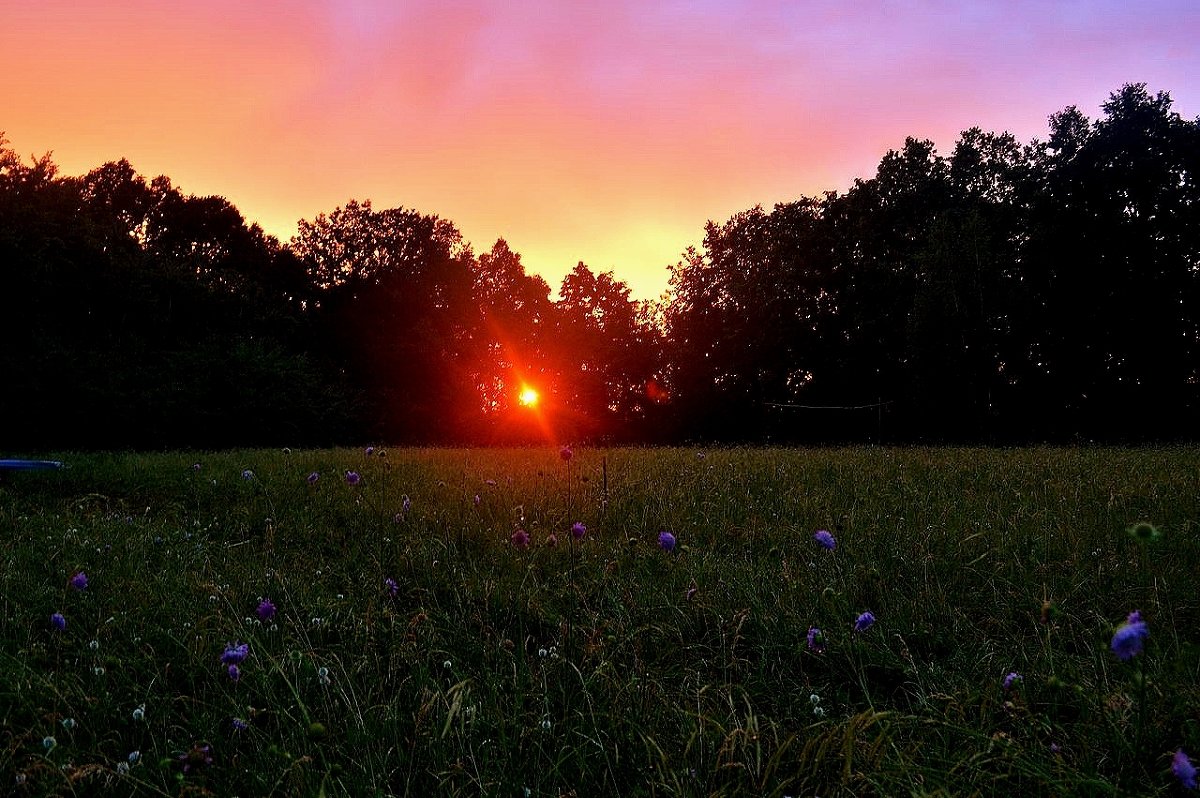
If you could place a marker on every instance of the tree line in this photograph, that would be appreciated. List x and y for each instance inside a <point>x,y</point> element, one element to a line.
<point>1006,292</point>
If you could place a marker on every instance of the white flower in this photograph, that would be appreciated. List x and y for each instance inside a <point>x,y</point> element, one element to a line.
<point>139,713</point>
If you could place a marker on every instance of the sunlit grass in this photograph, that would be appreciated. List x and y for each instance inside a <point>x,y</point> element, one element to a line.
<point>608,665</point>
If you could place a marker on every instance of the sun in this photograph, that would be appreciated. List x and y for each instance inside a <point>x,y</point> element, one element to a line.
<point>528,397</point>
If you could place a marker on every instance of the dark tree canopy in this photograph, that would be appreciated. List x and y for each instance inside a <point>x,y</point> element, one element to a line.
<point>1005,292</point>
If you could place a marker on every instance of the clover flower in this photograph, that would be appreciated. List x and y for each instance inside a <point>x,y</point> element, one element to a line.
<point>266,609</point>
<point>816,640</point>
<point>520,538</point>
<point>79,581</point>
<point>666,541</point>
<point>1130,636</point>
<point>864,621</point>
<point>825,539</point>
<point>1184,770</point>
<point>1012,679</point>
<point>578,530</point>
<point>58,621</point>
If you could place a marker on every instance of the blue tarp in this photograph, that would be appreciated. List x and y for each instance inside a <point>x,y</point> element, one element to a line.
<point>28,465</point>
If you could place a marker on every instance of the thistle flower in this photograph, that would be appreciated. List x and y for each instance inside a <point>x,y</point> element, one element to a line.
<point>816,640</point>
<point>1130,636</point>
<point>235,654</point>
<point>864,621</point>
<point>566,454</point>
<point>79,581</point>
<point>1012,679</point>
<point>1184,770</point>
<point>520,538</point>
<point>266,609</point>
<point>58,621</point>
<point>666,541</point>
<point>825,539</point>
<point>578,530</point>
<point>353,478</point>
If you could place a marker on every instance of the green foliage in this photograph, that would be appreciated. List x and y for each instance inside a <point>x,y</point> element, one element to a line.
<point>606,666</point>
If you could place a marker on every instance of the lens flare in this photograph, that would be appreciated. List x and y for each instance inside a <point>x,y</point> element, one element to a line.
<point>528,397</point>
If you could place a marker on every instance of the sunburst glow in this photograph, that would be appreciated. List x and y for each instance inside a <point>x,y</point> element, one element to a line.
<point>528,397</point>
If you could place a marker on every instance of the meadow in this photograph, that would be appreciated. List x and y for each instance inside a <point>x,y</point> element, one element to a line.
<point>433,622</point>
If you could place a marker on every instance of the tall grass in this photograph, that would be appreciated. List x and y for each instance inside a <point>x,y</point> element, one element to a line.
<point>607,666</point>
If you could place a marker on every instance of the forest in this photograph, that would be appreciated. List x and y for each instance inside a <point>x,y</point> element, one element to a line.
<point>1005,293</point>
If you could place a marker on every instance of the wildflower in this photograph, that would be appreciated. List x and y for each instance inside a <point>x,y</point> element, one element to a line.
<point>352,478</point>
<point>323,675</point>
<point>814,699</point>
<point>491,483</point>
<point>578,530</point>
<point>447,664</point>
<point>478,499</point>
<point>235,654</point>
<point>552,540</point>
<point>691,593</point>
<point>240,725</point>
<point>864,621</point>
<point>1012,679</point>
<point>391,587</point>
<point>134,756</point>
<point>198,756</point>
<point>266,609</point>
<point>566,454</point>
<point>520,538</point>
<point>405,504</point>
<point>819,711</point>
<point>49,743</point>
<point>139,713</point>
<point>98,670</point>
<point>826,540</point>
<point>123,768</point>
<point>247,474</point>
<point>195,466</point>
<point>816,640</point>
<point>666,541</point>
<point>94,645</point>
<point>1144,532</point>
<point>59,622</point>
<point>235,672</point>
<point>1184,770</point>
<point>1130,636</point>
<point>370,450</point>
<point>79,581</point>
<point>68,723</point>
<point>313,477</point>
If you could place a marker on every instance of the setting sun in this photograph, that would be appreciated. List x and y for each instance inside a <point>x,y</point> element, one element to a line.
<point>528,397</point>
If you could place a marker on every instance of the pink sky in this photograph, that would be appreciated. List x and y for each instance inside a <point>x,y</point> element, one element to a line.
<point>602,132</point>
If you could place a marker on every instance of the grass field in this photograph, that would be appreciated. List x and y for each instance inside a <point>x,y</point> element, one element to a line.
<point>417,648</point>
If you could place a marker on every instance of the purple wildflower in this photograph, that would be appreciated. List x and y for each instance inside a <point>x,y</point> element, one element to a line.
<point>864,621</point>
<point>691,592</point>
<point>478,499</point>
<point>235,654</point>
<point>552,540</point>
<point>79,581</point>
<point>370,450</point>
<point>826,540</point>
<point>240,725</point>
<point>352,478</point>
<point>199,756</point>
<point>1130,636</point>
<point>58,621</point>
<point>391,587</point>
<point>195,466</point>
<point>578,530</point>
<point>313,477</point>
<point>406,504</point>
<point>235,672</point>
<point>816,640</point>
<point>1184,770</point>
<point>247,474</point>
<point>666,541</point>
<point>1012,679</point>
<point>520,538</point>
<point>266,609</point>
<point>566,454</point>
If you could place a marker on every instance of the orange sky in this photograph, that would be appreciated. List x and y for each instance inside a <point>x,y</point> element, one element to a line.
<point>602,132</point>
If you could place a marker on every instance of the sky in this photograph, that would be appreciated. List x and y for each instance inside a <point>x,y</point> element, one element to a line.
<point>603,132</point>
